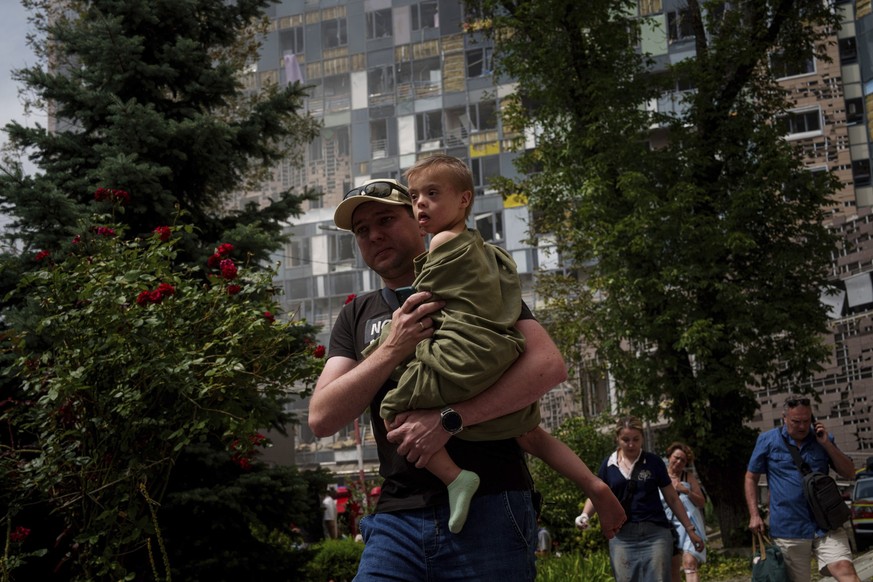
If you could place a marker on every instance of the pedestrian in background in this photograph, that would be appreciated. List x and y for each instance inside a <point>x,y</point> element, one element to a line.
<point>330,514</point>
<point>544,542</point>
<point>868,470</point>
<point>687,557</point>
<point>792,525</point>
<point>642,550</point>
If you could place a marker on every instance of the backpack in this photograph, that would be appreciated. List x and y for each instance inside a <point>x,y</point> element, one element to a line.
<point>822,494</point>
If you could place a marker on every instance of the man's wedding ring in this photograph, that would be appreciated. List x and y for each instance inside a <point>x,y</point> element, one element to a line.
<point>421,325</point>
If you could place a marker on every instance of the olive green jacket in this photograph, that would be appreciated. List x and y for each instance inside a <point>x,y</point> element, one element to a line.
<point>475,340</point>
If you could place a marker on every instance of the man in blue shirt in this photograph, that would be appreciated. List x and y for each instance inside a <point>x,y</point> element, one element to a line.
<point>792,524</point>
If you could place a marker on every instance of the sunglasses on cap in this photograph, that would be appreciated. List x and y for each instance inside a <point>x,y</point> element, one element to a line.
<point>378,189</point>
<point>792,402</point>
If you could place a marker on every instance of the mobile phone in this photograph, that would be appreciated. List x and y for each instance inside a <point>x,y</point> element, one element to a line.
<point>403,293</point>
<point>812,422</point>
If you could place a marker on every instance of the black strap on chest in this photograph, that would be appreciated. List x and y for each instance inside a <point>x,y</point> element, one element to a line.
<point>390,298</point>
<point>631,486</point>
<point>802,466</point>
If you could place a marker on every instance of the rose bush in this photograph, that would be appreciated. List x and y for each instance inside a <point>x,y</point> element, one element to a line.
<point>132,359</point>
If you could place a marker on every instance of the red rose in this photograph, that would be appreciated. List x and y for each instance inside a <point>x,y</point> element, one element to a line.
<point>269,317</point>
<point>42,255</point>
<point>224,249</point>
<point>228,269</point>
<point>155,296</point>
<point>233,289</point>
<point>163,233</point>
<point>350,298</point>
<point>213,261</point>
<point>143,297</point>
<point>105,231</point>
<point>19,534</point>
<point>121,196</point>
<point>166,289</point>
<point>77,239</point>
<point>318,352</point>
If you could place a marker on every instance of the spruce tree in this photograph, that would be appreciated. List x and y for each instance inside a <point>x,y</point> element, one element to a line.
<point>148,97</point>
<point>105,380</point>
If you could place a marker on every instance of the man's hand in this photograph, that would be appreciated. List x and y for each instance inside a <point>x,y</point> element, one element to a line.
<point>418,434</point>
<point>821,433</point>
<point>756,523</point>
<point>412,323</point>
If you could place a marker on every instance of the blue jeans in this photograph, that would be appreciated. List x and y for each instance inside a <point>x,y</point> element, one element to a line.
<point>641,552</point>
<point>497,543</point>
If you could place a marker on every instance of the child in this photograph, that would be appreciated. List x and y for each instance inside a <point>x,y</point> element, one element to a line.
<point>475,339</point>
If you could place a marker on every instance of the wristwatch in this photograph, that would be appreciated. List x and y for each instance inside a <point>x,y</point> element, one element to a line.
<point>451,420</point>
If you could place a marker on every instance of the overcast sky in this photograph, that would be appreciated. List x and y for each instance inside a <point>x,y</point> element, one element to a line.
<point>14,53</point>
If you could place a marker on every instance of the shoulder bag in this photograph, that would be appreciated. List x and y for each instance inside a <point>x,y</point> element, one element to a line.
<point>822,494</point>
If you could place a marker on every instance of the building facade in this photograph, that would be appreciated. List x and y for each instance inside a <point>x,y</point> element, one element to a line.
<point>394,80</point>
<point>391,81</point>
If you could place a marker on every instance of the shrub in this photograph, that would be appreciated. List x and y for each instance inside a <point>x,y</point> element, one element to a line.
<point>336,561</point>
<point>125,359</point>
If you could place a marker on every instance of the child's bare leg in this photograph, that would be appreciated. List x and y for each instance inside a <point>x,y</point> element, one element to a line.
<point>562,459</point>
<point>460,483</point>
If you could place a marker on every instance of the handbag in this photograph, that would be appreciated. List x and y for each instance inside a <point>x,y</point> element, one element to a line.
<point>768,565</point>
<point>822,494</point>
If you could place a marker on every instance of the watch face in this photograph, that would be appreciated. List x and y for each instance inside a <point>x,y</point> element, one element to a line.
<point>451,421</point>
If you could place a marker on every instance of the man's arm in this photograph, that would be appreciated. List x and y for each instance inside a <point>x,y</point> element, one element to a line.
<point>419,434</point>
<point>346,387</point>
<point>842,463</point>
<point>751,490</point>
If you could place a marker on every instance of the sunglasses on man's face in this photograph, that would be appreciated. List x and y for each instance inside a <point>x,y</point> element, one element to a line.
<point>377,190</point>
<point>792,402</point>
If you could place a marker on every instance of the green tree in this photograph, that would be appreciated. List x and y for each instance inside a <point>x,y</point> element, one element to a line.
<point>593,441</point>
<point>692,240</point>
<point>126,359</point>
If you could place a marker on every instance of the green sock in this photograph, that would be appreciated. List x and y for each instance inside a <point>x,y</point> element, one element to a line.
<point>461,492</point>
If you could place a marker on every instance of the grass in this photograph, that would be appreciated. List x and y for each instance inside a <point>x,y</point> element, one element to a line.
<point>595,567</point>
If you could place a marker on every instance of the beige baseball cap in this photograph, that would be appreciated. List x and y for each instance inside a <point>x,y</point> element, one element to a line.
<point>384,190</point>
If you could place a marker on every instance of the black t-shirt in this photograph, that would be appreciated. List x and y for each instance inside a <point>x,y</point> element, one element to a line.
<point>500,465</point>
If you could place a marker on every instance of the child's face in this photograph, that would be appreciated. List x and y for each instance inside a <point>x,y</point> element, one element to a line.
<point>437,203</point>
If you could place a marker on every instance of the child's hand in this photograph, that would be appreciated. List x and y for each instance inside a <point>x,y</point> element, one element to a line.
<point>582,521</point>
